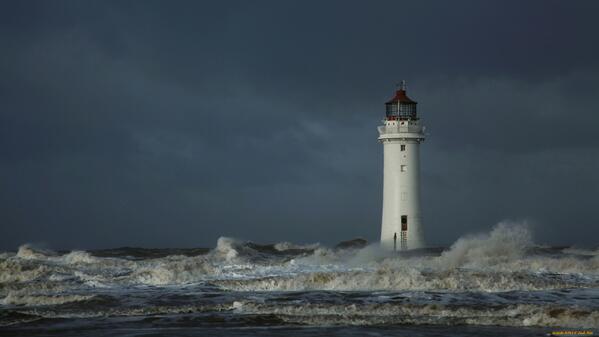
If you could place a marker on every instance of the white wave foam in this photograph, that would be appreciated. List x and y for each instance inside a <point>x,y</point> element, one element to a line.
<point>283,246</point>
<point>407,278</point>
<point>172,270</point>
<point>227,247</point>
<point>499,260</point>
<point>377,314</point>
<point>28,299</point>
<point>77,256</point>
<point>496,261</point>
<point>13,271</point>
<point>27,251</point>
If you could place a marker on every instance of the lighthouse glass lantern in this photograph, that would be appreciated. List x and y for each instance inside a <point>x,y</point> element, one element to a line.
<point>401,107</point>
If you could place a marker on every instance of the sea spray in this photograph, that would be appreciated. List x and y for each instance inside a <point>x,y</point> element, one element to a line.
<point>507,241</point>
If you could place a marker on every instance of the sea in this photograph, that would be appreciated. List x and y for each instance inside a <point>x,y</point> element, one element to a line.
<point>498,283</point>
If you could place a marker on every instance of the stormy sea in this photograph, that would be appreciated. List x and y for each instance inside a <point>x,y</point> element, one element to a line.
<point>495,284</point>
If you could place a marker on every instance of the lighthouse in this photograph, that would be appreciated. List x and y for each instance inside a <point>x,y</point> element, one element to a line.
<point>401,135</point>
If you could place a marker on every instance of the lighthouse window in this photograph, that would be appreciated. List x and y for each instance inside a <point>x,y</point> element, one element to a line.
<point>404,168</point>
<point>404,222</point>
<point>403,147</point>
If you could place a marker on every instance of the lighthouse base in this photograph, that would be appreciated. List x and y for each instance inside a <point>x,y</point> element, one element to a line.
<point>403,235</point>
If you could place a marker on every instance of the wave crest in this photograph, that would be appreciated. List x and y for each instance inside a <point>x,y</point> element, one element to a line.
<point>28,299</point>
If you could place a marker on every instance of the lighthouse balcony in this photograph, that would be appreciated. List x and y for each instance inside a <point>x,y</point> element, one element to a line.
<point>401,131</point>
<point>385,129</point>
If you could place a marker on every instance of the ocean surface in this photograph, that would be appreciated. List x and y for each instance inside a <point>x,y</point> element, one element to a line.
<point>495,284</point>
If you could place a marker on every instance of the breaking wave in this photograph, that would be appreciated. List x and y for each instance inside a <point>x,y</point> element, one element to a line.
<point>505,260</point>
<point>506,242</point>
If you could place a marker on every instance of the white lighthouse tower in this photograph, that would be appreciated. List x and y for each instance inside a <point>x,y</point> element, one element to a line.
<point>401,136</point>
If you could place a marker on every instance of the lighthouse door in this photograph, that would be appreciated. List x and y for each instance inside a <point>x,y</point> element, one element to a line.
<point>404,232</point>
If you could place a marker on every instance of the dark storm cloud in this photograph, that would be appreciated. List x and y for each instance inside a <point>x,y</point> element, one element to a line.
<point>171,124</point>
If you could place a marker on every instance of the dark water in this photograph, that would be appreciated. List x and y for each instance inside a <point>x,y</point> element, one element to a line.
<point>500,284</point>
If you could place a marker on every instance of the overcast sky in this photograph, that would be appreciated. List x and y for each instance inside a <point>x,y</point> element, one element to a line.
<point>172,123</point>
